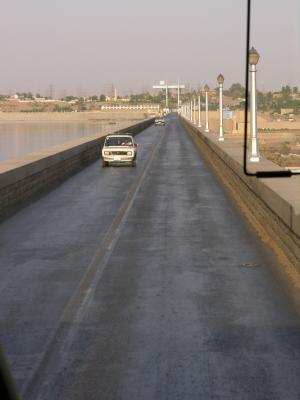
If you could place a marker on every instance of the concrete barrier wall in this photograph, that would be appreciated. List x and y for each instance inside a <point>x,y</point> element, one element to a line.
<point>24,178</point>
<point>274,204</point>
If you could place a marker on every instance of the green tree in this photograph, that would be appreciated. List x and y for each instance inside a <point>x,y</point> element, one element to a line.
<point>261,101</point>
<point>286,91</point>
<point>70,98</point>
<point>235,91</point>
<point>57,108</point>
<point>81,105</point>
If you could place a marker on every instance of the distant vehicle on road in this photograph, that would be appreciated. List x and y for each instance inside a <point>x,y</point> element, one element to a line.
<point>160,121</point>
<point>119,148</point>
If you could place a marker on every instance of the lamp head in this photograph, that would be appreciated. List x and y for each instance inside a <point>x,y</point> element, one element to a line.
<point>206,88</point>
<point>253,56</point>
<point>220,79</point>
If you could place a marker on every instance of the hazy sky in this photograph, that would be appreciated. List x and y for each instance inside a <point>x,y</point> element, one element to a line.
<point>82,45</point>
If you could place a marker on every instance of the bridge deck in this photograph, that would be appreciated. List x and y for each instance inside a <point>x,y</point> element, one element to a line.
<point>144,283</point>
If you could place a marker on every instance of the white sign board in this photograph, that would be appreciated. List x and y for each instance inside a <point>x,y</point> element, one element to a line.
<point>228,114</point>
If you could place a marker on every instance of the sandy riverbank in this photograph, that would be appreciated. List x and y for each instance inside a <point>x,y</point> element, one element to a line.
<point>72,116</point>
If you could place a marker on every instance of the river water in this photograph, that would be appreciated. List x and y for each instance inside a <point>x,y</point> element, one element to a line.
<point>20,138</point>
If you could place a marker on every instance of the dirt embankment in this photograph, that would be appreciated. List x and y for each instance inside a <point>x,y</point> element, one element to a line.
<point>282,148</point>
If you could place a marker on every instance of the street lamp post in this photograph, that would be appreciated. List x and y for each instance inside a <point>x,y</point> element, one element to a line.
<point>199,112</point>
<point>220,80</point>
<point>178,96</point>
<point>167,97</point>
<point>206,88</point>
<point>191,112</point>
<point>194,111</point>
<point>253,60</point>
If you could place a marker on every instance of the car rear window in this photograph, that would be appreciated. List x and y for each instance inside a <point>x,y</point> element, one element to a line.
<point>118,141</point>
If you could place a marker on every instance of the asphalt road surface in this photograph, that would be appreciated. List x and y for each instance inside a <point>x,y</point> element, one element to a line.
<point>144,283</point>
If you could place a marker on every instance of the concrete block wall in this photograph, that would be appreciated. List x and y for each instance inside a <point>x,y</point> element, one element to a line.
<point>272,204</point>
<point>24,178</point>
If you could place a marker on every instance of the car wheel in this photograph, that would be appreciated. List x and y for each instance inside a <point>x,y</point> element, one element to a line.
<point>133,163</point>
<point>104,164</point>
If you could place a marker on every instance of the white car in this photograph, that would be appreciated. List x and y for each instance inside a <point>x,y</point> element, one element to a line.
<point>160,121</point>
<point>119,148</point>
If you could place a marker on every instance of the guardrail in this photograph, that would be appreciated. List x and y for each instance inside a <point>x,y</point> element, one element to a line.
<point>35,173</point>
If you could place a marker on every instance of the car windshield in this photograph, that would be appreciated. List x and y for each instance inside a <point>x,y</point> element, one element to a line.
<point>118,141</point>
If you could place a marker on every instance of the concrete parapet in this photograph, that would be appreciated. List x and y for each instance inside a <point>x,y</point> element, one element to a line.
<point>25,177</point>
<point>274,204</point>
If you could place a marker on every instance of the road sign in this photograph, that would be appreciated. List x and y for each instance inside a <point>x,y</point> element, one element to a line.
<point>228,114</point>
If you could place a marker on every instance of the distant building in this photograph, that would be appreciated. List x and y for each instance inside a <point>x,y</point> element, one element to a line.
<point>284,111</point>
<point>148,107</point>
<point>230,102</point>
<point>44,100</point>
<point>295,96</point>
<point>110,92</point>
